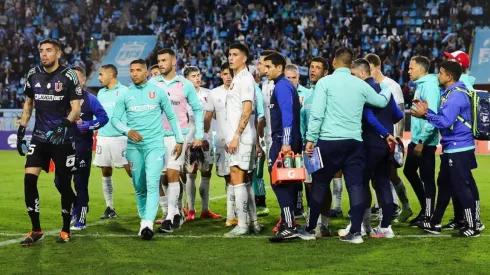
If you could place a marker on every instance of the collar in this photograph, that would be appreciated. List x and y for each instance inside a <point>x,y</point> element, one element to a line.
<point>177,78</point>
<point>281,76</point>
<point>142,86</point>
<point>370,80</point>
<point>455,85</point>
<point>342,70</point>
<point>118,84</point>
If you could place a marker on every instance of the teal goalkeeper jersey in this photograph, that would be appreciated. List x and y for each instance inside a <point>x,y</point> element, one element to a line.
<point>337,105</point>
<point>143,106</point>
<point>108,99</point>
<point>303,93</point>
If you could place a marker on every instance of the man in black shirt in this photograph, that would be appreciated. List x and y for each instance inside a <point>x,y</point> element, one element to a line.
<point>54,91</point>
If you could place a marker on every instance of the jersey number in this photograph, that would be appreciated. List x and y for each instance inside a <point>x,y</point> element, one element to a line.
<point>31,149</point>
<point>98,149</point>
<point>217,158</point>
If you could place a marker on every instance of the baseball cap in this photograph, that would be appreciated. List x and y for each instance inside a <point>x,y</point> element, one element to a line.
<point>459,56</point>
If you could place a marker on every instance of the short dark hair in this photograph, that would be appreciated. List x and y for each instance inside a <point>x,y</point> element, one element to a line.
<point>373,59</point>
<point>267,52</point>
<point>422,61</point>
<point>51,41</point>
<point>154,66</point>
<point>138,61</point>
<point>79,69</point>
<point>344,55</point>
<point>241,47</point>
<point>362,64</point>
<point>322,60</point>
<point>276,59</point>
<point>225,66</point>
<point>190,69</point>
<point>166,50</point>
<point>111,67</point>
<point>453,68</point>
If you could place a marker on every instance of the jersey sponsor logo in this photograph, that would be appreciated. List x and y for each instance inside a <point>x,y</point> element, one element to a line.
<point>140,108</point>
<point>58,86</point>
<point>175,102</point>
<point>108,104</point>
<point>43,97</point>
<point>152,95</point>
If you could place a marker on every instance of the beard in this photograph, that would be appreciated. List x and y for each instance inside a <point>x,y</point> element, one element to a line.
<point>49,65</point>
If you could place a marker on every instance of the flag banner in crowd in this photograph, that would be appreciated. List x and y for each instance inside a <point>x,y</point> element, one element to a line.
<point>481,56</point>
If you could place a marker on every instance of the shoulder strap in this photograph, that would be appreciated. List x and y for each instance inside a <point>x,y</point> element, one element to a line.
<point>469,94</point>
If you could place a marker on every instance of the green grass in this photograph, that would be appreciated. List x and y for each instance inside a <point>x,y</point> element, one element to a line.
<point>197,247</point>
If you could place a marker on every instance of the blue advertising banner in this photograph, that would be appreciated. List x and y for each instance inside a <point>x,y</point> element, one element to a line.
<point>480,60</point>
<point>124,50</point>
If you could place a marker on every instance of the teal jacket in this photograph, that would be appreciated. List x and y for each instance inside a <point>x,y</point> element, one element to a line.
<point>421,130</point>
<point>305,114</point>
<point>108,99</point>
<point>338,102</point>
<point>143,106</point>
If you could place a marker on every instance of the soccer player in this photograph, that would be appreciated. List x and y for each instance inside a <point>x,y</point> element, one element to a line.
<point>286,139</point>
<point>421,151</point>
<point>335,127</point>
<point>240,138</point>
<point>86,125</point>
<point>458,221</point>
<point>111,145</point>
<point>396,91</point>
<point>318,69</point>
<point>377,135</point>
<point>55,92</point>
<point>216,107</point>
<point>143,104</point>
<point>154,71</point>
<point>458,159</point>
<point>181,92</point>
<point>193,74</point>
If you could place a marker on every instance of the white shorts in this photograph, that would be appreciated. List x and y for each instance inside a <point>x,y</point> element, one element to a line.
<point>170,161</point>
<point>222,164</point>
<point>244,157</point>
<point>111,151</point>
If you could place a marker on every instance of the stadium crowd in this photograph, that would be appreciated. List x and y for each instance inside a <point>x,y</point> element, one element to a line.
<point>394,30</point>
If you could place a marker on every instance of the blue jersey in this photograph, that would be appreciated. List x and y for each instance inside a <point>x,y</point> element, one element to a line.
<point>52,93</point>
<point>90,107</point>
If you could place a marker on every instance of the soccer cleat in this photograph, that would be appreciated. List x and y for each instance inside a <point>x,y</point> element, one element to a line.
<point>336,213</point>
<point>256,228</point>
<point>78,226</point>
<point>229,223</point>
<point>382,233</point>
<point>209,215</point>
<point>286,234</point>
<point>396,212</point>
<point>344,232</point>
<point>166,227</point>
<point>404,215</point>
<point>352,238</point>
<point>74,218</point>
<point>480,226</point>
<point>278,225</point>
<point>428,226</point>
<point>321,231</point>
<point>236,232</point>
<point>415,222</point>
<point>453,225</point>
<point>146,234</point>
<point>184,210</point>
<point>306,235</point>
<point>177,222</point>
<point>466,232</point>
<point>108,214</point>
<point>64,237</point>
<point>191,215</point>
<point>32,237</point>
<point>262,211</point>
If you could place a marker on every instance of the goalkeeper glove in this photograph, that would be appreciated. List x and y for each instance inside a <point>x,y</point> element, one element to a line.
<point>57,135</point>
<point>21,142</point>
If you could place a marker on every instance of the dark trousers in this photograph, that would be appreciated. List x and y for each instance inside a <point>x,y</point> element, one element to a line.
<point>456,180</point>
<point>348,156</point>
<point>423,186</point>
<point>378,170</point>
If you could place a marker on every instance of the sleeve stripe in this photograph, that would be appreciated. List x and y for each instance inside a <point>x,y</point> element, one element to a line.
<point>123,127</point>
<point>287,135</point>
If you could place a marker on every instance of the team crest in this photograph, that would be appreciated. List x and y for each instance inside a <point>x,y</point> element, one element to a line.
<point>131,164</point>
<point>152,95</point>
<point>231,86</point>
<point>117,93</point>
<point>58,86</point>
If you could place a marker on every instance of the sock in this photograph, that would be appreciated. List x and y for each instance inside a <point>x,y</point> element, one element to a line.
<point>477,210</point>
<point>401,191</point>
<point>375,199</point>
<point>323,220</point>
<point>32,200</point>
<point>181,196</point>
<point>366,219</point>
<point>204,192</point>
<point>163,202</point>
<point>107,188</point>
<point>299,200</point>
<point>252,209</point>
<point>173,198</point>
<point>393,193</point>
<point>230,202</point>
<point>337,194</point>
<point>241,200</point>
<point>190,191</point>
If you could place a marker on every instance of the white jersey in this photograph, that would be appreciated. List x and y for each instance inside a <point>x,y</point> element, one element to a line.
<point>267,89</point>
<point>203,96</point>
<point>242,89</point>
<point>397,93</point>
<point>217,104</point>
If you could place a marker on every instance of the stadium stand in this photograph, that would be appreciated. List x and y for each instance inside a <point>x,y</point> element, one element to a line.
<point>200,30</point>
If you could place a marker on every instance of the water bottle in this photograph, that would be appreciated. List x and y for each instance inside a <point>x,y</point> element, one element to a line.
<point>288,161</point>
<point>259,166</point>
<point>298,161</point>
